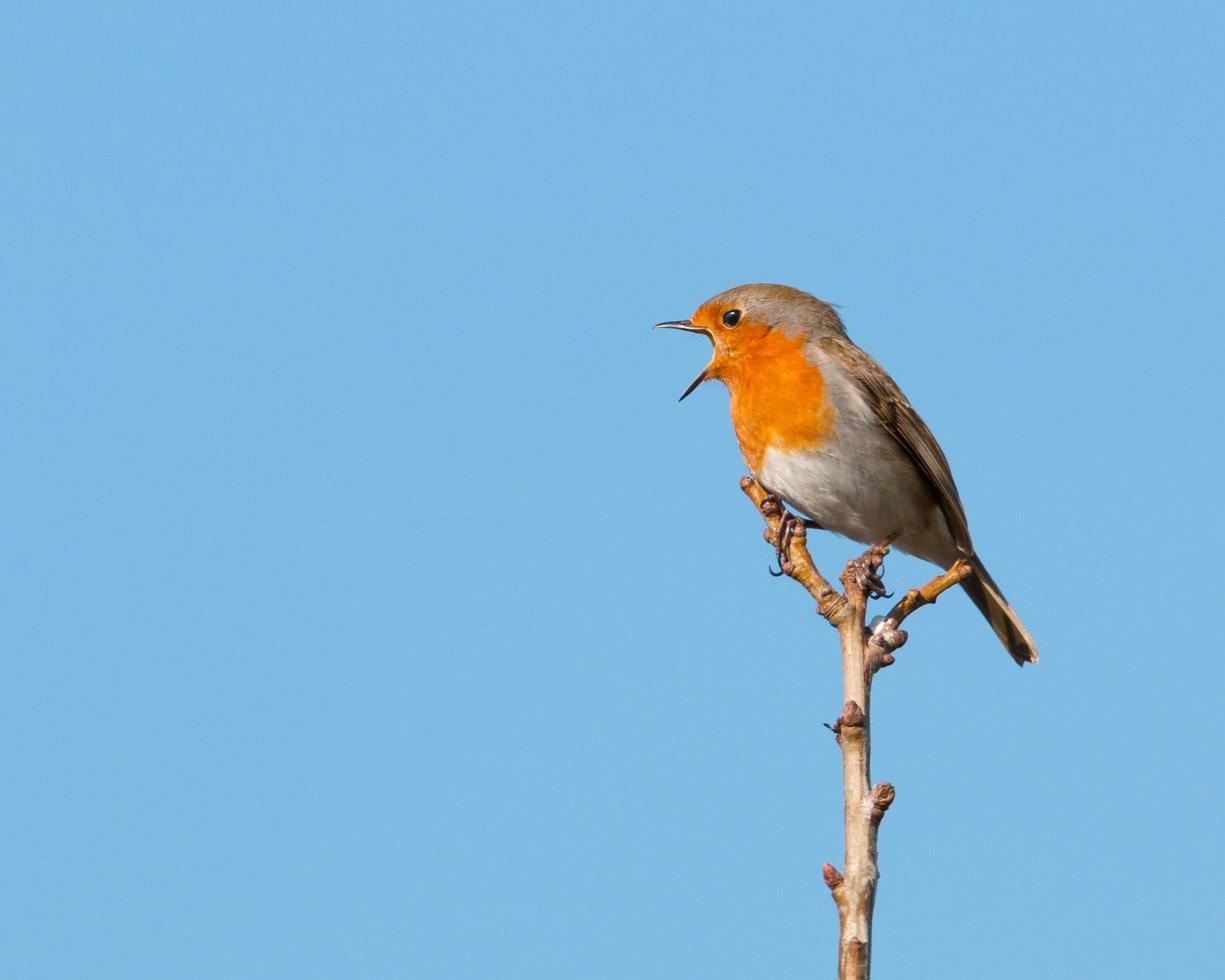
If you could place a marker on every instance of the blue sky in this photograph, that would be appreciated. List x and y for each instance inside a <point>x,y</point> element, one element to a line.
<point>371,609</point>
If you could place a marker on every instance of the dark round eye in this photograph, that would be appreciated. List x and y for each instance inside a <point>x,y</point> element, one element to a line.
<point>731,318</point>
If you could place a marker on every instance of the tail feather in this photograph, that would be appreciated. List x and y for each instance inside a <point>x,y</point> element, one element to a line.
<point>991,603</point>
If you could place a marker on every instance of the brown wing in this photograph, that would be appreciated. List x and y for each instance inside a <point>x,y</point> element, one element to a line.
<point>906,427</point>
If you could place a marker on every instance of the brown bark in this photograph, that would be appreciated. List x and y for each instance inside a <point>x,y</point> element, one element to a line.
<point>863,654</point>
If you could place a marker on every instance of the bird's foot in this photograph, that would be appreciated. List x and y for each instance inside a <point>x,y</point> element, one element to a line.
<point>865,571</point>
<point>790,528</point>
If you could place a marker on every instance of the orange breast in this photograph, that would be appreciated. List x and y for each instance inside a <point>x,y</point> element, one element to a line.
<point>779,398</point>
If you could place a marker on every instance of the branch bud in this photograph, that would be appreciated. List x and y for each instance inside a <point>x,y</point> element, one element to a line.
<point>852,716</point>
<point>883,795</point>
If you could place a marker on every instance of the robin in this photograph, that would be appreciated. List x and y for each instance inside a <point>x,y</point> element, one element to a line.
<point>824,428</point>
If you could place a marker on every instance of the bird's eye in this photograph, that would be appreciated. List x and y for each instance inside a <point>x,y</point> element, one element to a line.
<point>731,318</point>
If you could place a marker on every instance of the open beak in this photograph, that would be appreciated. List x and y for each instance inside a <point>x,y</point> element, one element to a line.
<point>688,327</point>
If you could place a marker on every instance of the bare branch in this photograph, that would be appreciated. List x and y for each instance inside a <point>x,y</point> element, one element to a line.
<point>863,653</point>
<point>918,598</point>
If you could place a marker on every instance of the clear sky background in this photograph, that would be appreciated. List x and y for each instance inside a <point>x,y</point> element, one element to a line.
<point>370,607</point>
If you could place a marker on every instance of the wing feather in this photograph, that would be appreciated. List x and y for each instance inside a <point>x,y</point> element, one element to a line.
<point>904,424</point>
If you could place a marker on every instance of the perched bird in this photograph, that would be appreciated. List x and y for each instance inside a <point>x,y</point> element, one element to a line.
<point>824,428</point>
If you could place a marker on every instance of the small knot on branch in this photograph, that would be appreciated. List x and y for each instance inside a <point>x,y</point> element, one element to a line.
<point>883,795</point>
<point>831,604</point>
<point>888,638</point>
<point>831,875</point>
<point>851,717</point>
<point>883,640</point>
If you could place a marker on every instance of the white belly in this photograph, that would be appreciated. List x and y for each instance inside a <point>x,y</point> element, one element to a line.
<point>861,485</point>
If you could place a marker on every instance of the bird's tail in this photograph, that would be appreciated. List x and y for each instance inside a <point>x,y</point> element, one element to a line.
<point>991,603</point>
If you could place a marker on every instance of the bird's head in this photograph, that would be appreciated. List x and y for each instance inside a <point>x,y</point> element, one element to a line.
<point>754,324</point>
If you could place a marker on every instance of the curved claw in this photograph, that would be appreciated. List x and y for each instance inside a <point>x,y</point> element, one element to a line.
<point>779,574</point>
<point>874,588</point>
<point>868,571</point>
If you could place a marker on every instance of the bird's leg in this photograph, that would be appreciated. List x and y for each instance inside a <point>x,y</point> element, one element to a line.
<point>787,526</point>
